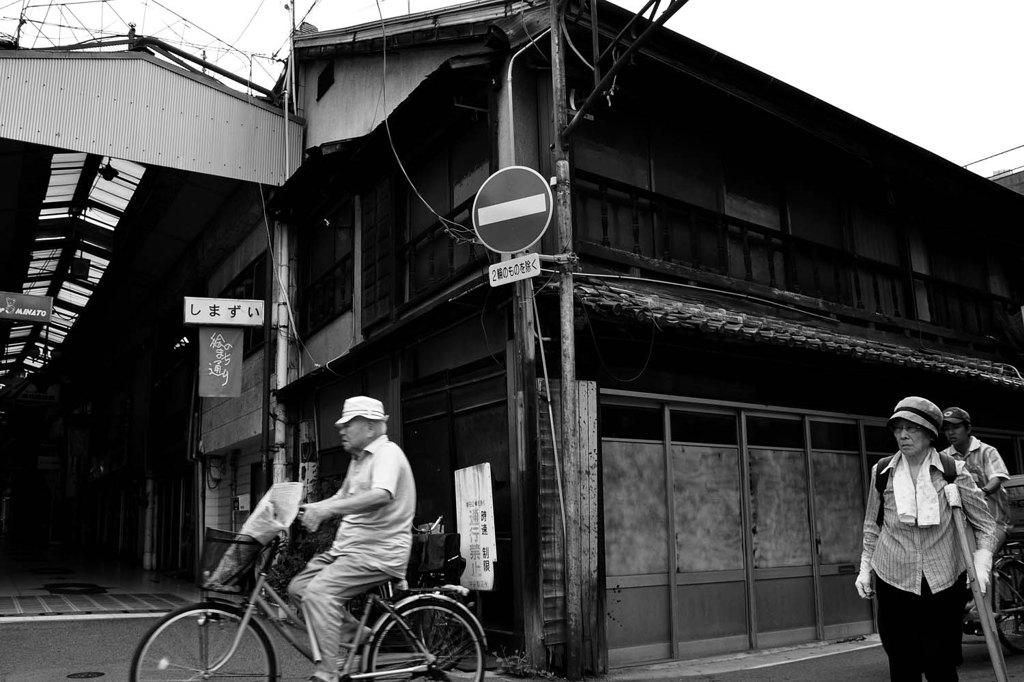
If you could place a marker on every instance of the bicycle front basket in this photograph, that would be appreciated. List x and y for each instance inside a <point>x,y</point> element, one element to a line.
<point>228,561</point>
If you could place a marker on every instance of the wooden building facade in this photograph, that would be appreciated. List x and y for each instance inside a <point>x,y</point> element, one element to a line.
<point>759,278</point>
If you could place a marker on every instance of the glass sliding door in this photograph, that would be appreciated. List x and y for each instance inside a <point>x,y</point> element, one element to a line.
<point>638,598</point>
<point>781,551</point>
<point>838,514</point>
<point>711,588</point>
<point>729,527</point>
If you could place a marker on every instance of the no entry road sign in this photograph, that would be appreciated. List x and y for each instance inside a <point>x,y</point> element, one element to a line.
<point>512,209</point>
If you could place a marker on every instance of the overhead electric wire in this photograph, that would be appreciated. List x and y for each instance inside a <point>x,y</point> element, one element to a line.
<point>251,19</point>
<point>457,231</point>
<point>65,8</point>
<point>1005,151</point>
<point>49,6</point>
<point>112,9</point>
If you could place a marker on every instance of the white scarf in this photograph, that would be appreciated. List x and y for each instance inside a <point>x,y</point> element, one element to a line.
<point>916,504</point>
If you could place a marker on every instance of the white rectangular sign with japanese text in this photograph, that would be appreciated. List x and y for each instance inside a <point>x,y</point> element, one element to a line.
<point>474,502</point>
<point>514,270</point>
<point>234,312</point>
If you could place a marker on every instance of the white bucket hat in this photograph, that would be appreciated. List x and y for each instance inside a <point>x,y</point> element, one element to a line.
<point>362,406</point>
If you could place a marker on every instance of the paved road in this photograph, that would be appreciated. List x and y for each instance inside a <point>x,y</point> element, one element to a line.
<point>53,650</point>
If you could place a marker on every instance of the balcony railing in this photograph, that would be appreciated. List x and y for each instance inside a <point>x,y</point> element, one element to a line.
<point>656,227</point>
<point>433,256</point>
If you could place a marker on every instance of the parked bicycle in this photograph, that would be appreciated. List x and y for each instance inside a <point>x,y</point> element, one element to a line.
<point>426,633</point>
<point>1007,590</point>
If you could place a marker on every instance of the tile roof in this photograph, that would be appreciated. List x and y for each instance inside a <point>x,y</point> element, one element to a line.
<point>638,301</point>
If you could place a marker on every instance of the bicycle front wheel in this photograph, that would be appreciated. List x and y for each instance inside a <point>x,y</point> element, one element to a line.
<point>1008,603</point>
<point>454,648</point>
<point>194,643</point>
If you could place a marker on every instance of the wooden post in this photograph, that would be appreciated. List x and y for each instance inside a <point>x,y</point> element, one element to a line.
<point>523,465</point>
<point>567,337</point>
<point>988,621</point>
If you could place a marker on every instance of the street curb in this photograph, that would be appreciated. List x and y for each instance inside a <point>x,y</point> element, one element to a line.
<point>745,660</point>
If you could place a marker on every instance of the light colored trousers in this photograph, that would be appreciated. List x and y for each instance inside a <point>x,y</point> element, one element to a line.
<point>322,588</point>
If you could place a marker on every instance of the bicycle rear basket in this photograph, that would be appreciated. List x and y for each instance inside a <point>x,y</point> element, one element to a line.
<point>228,561</point>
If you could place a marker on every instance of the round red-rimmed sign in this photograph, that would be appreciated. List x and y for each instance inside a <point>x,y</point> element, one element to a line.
<point>512,209</point>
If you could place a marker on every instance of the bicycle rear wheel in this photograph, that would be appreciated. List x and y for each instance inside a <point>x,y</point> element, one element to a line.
<point>188,643</point>
<point>1008,603</point>
<point>454,645</point>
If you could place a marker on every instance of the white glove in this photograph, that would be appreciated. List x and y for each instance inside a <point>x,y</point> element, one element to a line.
<point>310,515</point>
<point>864,588</point>
<point>983,568</point>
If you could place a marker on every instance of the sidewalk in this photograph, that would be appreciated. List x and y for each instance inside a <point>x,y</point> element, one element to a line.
<point>747,660</point>
<point>51,581</point>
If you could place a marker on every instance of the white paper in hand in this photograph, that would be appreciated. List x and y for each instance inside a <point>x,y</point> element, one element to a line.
<point>275,512</point>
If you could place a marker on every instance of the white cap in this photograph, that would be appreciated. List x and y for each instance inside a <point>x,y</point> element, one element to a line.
<point>362,406</point>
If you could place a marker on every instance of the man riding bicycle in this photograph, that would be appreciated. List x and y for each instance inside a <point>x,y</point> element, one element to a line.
<point>376,501</point>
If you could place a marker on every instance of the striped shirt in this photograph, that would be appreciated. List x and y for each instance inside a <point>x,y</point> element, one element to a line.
<point>901,554</point>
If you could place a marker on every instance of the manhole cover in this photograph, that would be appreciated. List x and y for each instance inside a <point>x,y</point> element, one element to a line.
<point>74,588</point>
<point>84,676</point>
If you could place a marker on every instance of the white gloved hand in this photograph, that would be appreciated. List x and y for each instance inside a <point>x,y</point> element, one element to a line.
<point>864,588</point>
<point>983,568</point>
<point>310,516</point>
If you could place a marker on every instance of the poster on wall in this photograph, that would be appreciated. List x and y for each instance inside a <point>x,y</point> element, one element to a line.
<point>220,362</point>
<point>474,503</point>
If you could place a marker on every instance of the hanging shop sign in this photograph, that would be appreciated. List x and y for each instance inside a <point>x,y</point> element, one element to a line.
<point>220,362</point>
<point>234,312</point>
<point>25,307</point>
<point>474,502</point>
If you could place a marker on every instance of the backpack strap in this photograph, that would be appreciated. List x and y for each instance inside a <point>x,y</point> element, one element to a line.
<point>882,479</point>
<point>948,467</point>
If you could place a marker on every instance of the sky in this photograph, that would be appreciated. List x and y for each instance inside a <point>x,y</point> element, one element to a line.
<point>941,74</point>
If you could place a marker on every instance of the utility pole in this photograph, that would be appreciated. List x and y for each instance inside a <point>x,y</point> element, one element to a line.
<point>567,338</point>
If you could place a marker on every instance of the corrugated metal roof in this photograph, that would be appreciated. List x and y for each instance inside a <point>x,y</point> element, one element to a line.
<point>637,302</point>
<point>132,106</point>
<point>448,23</point>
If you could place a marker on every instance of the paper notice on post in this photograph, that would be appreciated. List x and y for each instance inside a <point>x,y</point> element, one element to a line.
<point>275,512</point>
<point>475,517</point>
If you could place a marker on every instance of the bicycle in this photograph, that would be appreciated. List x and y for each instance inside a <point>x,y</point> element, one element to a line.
<point>1007,590</point>
<point>1008,596</point>
<point>428,633</point>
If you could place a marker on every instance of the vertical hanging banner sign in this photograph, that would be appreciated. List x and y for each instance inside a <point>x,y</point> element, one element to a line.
<point>220,362</point>
<point>475,504</point>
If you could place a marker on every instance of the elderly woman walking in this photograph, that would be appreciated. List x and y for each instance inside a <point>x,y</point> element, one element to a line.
<point>910,545</point>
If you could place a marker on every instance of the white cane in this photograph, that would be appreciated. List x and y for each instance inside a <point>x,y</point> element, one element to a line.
<point>988,621</point>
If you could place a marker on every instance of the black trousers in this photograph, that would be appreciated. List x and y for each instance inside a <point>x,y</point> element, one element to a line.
<point>922,634</point>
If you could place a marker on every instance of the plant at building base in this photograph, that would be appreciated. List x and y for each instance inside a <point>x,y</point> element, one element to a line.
<point>518,664</point>
<point>298,549</point>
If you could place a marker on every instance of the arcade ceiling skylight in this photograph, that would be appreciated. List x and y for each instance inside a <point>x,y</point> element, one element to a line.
<point>85,199</point>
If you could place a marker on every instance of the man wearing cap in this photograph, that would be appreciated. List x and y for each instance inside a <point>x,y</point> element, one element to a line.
<point>983,462</point>
<point>911,562</point>
<point>376,501</point>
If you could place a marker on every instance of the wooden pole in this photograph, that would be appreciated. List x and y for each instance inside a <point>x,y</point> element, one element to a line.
<point>567,337</point>
<point>988,621</point>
